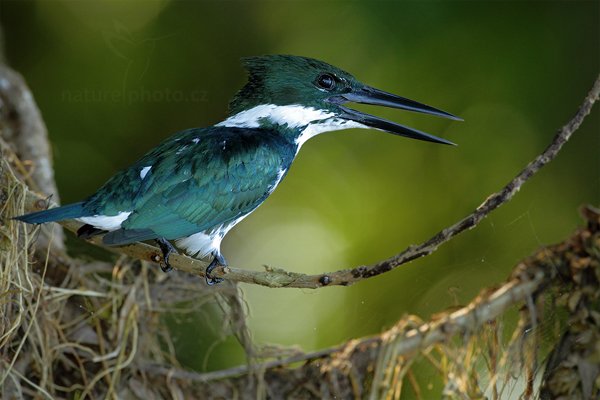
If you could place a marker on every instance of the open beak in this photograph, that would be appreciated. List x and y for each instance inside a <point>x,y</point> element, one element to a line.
<point>369,95</point>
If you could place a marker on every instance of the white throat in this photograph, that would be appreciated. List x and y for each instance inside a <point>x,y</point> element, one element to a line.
<point>312,120</point>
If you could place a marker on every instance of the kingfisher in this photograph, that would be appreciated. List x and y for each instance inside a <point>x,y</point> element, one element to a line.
<point>199,183</point>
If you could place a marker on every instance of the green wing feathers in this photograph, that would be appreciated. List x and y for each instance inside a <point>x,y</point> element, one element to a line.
<point>197,180</point>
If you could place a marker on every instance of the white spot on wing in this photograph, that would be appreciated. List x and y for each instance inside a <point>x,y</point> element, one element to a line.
<point>145,171</point>
<point>181,149</point>
<point>106,222</point>
<point>195,140</point>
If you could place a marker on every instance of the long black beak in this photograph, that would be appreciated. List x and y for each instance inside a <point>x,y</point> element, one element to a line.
<point>369,95</point>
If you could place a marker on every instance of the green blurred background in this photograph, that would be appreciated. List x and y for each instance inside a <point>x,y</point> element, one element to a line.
<point>113,79</point>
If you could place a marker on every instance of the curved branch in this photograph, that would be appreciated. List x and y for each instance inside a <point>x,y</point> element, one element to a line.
<point>547,269</point>
<point>272,277</point>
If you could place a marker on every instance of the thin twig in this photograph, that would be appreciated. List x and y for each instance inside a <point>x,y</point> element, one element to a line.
<point>273,277</point>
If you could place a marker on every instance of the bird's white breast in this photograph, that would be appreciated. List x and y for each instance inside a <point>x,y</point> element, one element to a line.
<point>202,244</point>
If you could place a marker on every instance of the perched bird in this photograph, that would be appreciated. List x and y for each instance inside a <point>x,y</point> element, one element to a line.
<point>199,183</point>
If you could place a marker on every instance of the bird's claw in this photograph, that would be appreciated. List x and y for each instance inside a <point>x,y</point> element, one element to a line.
<point>211,280</point>
<point>167,248</point>
<point>165,266</point>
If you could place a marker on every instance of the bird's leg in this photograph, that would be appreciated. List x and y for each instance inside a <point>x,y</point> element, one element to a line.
<point>217,260</point>
<point>167,248</point>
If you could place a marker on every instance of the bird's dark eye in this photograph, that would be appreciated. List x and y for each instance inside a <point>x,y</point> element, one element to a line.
<point>326,81</point>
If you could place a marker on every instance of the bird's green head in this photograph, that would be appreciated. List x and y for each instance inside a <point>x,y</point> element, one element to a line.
<point>286,80</point>
<point>308,96</point>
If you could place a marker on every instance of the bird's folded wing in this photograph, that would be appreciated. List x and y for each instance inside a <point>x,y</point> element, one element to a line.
<point>202,195</point>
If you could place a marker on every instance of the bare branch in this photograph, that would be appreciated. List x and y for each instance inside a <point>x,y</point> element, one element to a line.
<point>272,277</point>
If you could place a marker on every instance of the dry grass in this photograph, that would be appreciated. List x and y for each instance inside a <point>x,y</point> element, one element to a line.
<point>77,329</point>
<point>88,329</point>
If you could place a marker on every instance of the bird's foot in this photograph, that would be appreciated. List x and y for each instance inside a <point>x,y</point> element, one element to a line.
<point>217,260</point>
<point>167,248</point>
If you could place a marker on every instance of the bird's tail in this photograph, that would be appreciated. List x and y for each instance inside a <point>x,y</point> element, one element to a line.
<point>69,211</point>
